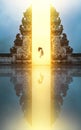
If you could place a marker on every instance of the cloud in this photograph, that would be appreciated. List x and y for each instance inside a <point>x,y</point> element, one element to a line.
<point>66,5</point>
<point>11,13</point>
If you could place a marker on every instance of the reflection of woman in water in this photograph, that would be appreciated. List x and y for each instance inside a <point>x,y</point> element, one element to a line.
<point>40,80</point>
<point>41,51</point>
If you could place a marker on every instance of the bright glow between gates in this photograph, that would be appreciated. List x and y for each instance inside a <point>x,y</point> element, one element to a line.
<point>41,32</point>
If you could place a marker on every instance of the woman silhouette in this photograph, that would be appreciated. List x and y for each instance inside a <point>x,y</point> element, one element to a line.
<point>41,51</point>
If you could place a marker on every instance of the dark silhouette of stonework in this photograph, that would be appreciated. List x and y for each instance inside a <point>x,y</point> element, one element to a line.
<point>21,52</point>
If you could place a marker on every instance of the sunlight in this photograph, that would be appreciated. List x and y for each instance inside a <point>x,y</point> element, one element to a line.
<point>41,32</point>
<point>41,98</point>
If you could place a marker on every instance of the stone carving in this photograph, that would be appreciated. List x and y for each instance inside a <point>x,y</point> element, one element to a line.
<point>59,42</point>
<point>22,48</point>
<point>23,44</point>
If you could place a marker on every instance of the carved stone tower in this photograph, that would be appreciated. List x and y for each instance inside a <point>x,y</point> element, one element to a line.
<point>22,49</point>
<point>59,43</point>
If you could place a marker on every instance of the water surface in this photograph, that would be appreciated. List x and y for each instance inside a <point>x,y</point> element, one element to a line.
<point>41,98</point>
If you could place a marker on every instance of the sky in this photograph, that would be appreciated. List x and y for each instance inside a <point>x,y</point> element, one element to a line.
<point>11,13</point>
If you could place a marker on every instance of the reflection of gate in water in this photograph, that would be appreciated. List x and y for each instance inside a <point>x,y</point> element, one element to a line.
<point>41,92</point>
